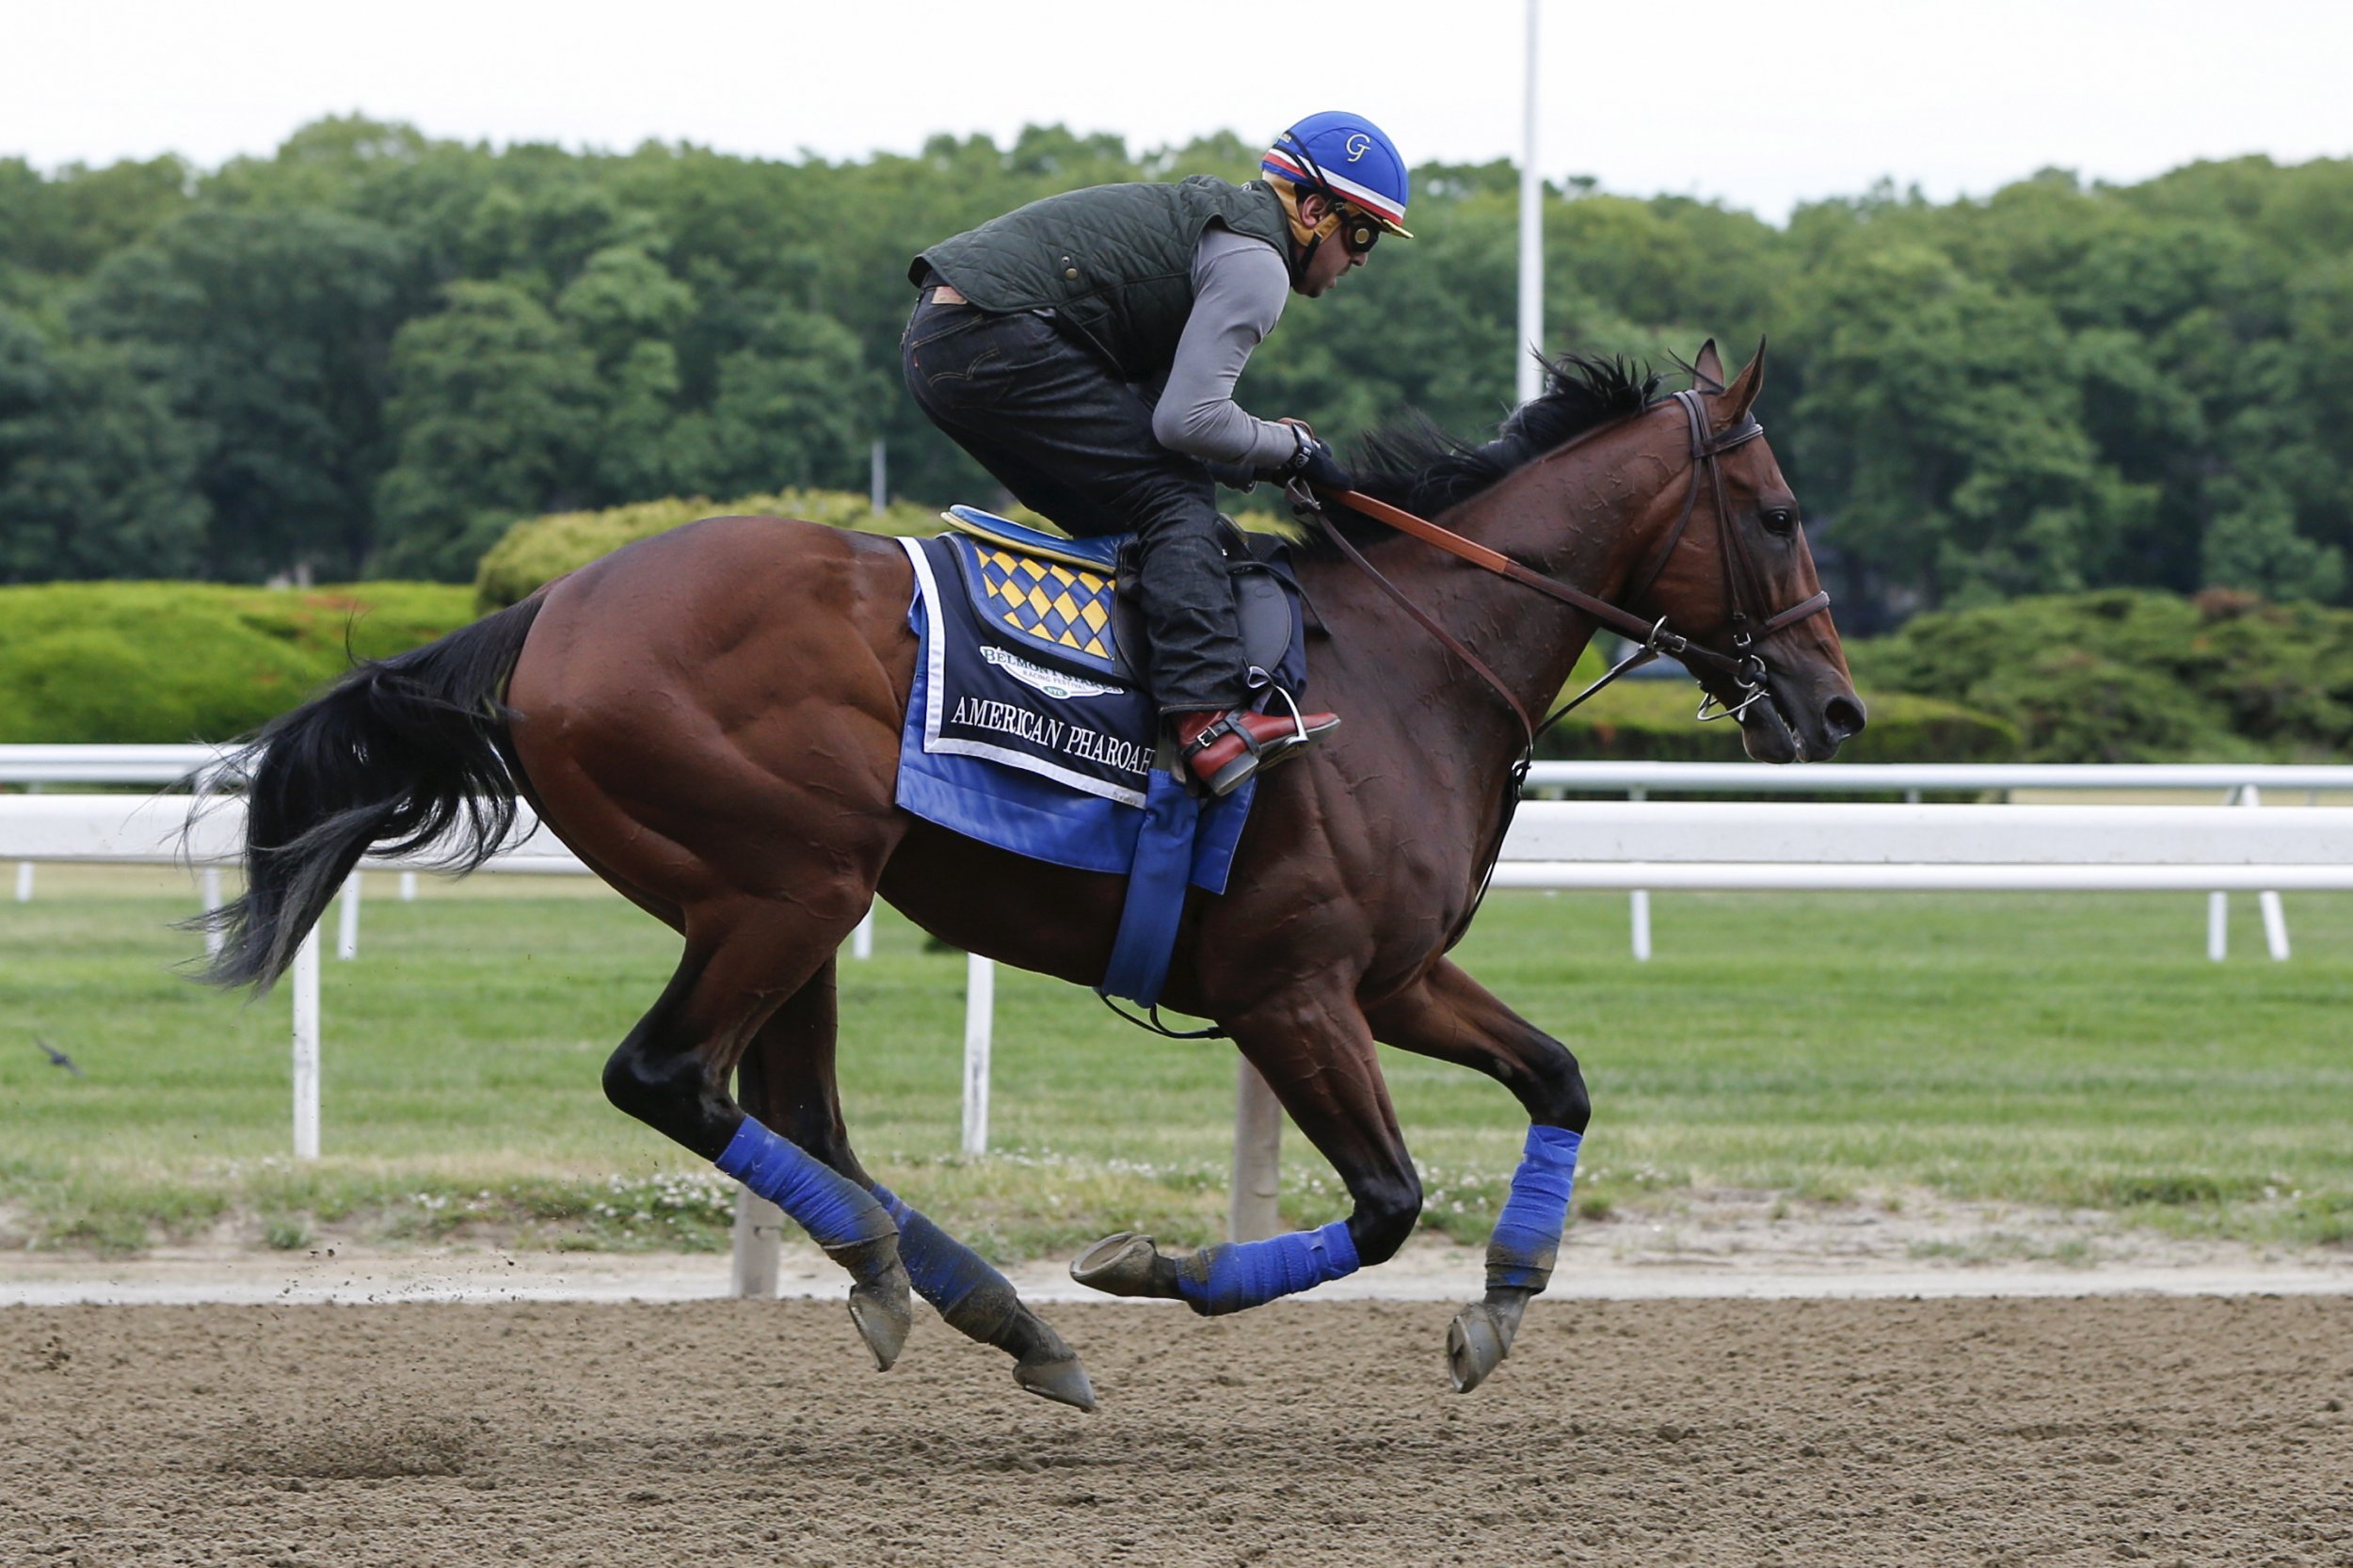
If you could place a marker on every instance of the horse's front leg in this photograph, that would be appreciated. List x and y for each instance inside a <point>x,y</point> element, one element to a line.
<point>1316,1054</point>
<point>1451,1016</point>
<point>787,1077</point>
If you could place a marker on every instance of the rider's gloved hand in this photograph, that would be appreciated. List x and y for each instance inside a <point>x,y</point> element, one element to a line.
<point>1314,465</point>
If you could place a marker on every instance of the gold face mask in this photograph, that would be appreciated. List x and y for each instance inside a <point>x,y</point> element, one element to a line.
<point>1355,232</point>
<point>1305,232</point>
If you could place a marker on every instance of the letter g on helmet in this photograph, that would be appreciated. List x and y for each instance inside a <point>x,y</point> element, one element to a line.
<point>1348,157</point>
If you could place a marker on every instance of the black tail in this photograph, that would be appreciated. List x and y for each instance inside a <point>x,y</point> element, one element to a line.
<point>400,753</point>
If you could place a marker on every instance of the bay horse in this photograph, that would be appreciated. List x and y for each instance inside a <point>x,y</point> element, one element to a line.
<point>710,720</point>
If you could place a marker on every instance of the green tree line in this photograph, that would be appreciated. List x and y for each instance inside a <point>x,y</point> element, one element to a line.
<point>371,352</point>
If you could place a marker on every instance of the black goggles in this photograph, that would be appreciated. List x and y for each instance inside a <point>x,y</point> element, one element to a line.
<point>1358,232</point>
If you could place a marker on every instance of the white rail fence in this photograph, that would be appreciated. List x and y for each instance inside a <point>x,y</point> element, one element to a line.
<point>1637,845</point>
<point>2240,784</point>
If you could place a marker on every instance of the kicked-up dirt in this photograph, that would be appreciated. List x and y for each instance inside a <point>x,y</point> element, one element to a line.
<point>2094,1431</point>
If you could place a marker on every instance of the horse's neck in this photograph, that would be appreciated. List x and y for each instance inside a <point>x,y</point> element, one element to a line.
<point>1555,515</point>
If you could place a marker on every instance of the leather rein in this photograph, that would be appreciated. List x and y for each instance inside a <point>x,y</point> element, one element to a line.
<point>1652,638</point>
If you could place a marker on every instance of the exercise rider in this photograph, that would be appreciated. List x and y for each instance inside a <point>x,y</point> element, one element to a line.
<point>1084,349</point>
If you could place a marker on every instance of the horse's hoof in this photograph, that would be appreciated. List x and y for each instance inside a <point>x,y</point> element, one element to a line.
<point>1475,1345</point>
<point>1063,1380</point>
<point>1122,1265</point>
<point>883,1315</point>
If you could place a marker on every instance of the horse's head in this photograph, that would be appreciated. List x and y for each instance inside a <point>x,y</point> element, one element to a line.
<point>1733,573</point>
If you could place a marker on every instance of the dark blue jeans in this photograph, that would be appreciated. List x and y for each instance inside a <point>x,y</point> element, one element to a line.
<point>1055,423</point>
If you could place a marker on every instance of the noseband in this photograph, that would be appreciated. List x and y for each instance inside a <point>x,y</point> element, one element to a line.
<point>1742,665</point>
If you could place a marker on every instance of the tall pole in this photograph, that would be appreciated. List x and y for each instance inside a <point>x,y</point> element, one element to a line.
<point>1531,333</point>
<point>306,1047</point>
<point>1252,1210</point>
<point>980,1017</point>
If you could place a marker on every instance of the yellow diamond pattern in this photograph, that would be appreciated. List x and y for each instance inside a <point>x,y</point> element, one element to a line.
<point>1050,601</point>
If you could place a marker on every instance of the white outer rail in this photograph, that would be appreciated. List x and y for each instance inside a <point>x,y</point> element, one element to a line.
<point>1848,834</point>
<point>125,764</point>
<point>2240,782</point>
<point>1859,778</point>
<point>1634,845</point>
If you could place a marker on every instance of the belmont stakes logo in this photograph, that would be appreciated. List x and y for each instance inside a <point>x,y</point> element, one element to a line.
<point>1052,683</point>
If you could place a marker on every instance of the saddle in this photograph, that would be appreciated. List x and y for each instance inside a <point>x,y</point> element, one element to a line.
<point>1072,602</point>
<point>1030,728</point>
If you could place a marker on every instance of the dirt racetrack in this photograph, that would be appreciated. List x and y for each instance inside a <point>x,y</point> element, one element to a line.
<point>2166,1430</point>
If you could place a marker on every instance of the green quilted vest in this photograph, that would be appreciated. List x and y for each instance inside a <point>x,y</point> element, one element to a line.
<point>1114,262</point>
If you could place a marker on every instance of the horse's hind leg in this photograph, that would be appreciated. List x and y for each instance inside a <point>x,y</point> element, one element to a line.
<point>1316,1054</point>
<point>742,962</point>
<point>787,1079</point>
<point>1451,1016</point>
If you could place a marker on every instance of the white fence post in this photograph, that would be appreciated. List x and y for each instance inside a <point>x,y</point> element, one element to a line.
<point>23,881</point>
<point>2275,926</point>
<point>980,1008</point>
<point>408,887</point>
<point>1638,901</point>
<point>208,880</point>
<point>306,1047</point>
<point>348,919</point>
<point>2219,905</point>
<point>757,1245</point>
<point>2275,918</point>
<point>1253,1213</point>
<point>862,939</point>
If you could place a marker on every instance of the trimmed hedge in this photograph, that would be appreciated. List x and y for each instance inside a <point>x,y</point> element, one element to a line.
<point>1650,720</point>
<point>2133,677</point>
<point>539,549</point>
<point>123,664</point>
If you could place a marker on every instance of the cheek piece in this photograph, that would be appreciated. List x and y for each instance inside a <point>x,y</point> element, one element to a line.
<point>1306,239</point>
<point>1527,1239</point>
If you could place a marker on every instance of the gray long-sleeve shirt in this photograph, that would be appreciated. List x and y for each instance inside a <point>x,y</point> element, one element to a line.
<point>1240,286</point>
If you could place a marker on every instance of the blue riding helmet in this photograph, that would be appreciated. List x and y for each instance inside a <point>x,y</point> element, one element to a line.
<point>1349,158</point>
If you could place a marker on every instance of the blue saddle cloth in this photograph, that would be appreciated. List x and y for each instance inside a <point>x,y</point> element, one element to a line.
<point>1020,734</point>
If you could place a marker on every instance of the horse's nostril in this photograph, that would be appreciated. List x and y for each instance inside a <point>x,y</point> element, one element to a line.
<point>1843,717</point>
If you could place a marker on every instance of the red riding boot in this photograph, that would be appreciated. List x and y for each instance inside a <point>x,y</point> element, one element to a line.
<point>1227,750</point>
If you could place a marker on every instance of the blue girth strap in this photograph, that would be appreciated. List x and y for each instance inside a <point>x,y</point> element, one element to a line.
<point>1156,893</point>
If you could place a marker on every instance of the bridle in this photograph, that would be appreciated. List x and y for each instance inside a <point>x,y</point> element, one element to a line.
<point>1651,637</point>
<point>1743,666</point>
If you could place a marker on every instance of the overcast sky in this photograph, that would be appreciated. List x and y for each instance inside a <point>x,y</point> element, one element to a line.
<point>1758,103</point>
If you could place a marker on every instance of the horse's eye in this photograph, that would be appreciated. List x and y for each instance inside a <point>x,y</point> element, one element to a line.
<point>1780,520</point>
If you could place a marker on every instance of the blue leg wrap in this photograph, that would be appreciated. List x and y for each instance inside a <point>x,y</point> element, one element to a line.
<point>1527,1238</point>
<point>835,1210</point>
<point>944,1271</point>
<point>1251,1274</point>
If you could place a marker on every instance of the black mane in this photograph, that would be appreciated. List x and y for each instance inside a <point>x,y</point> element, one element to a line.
<point>1424,470</point>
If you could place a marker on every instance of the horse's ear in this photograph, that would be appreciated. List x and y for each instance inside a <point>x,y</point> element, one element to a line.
<point>1742,392</point>
<point>1707,370</point>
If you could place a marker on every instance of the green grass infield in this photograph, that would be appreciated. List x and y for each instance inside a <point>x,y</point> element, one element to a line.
<point>2068,1050</point>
